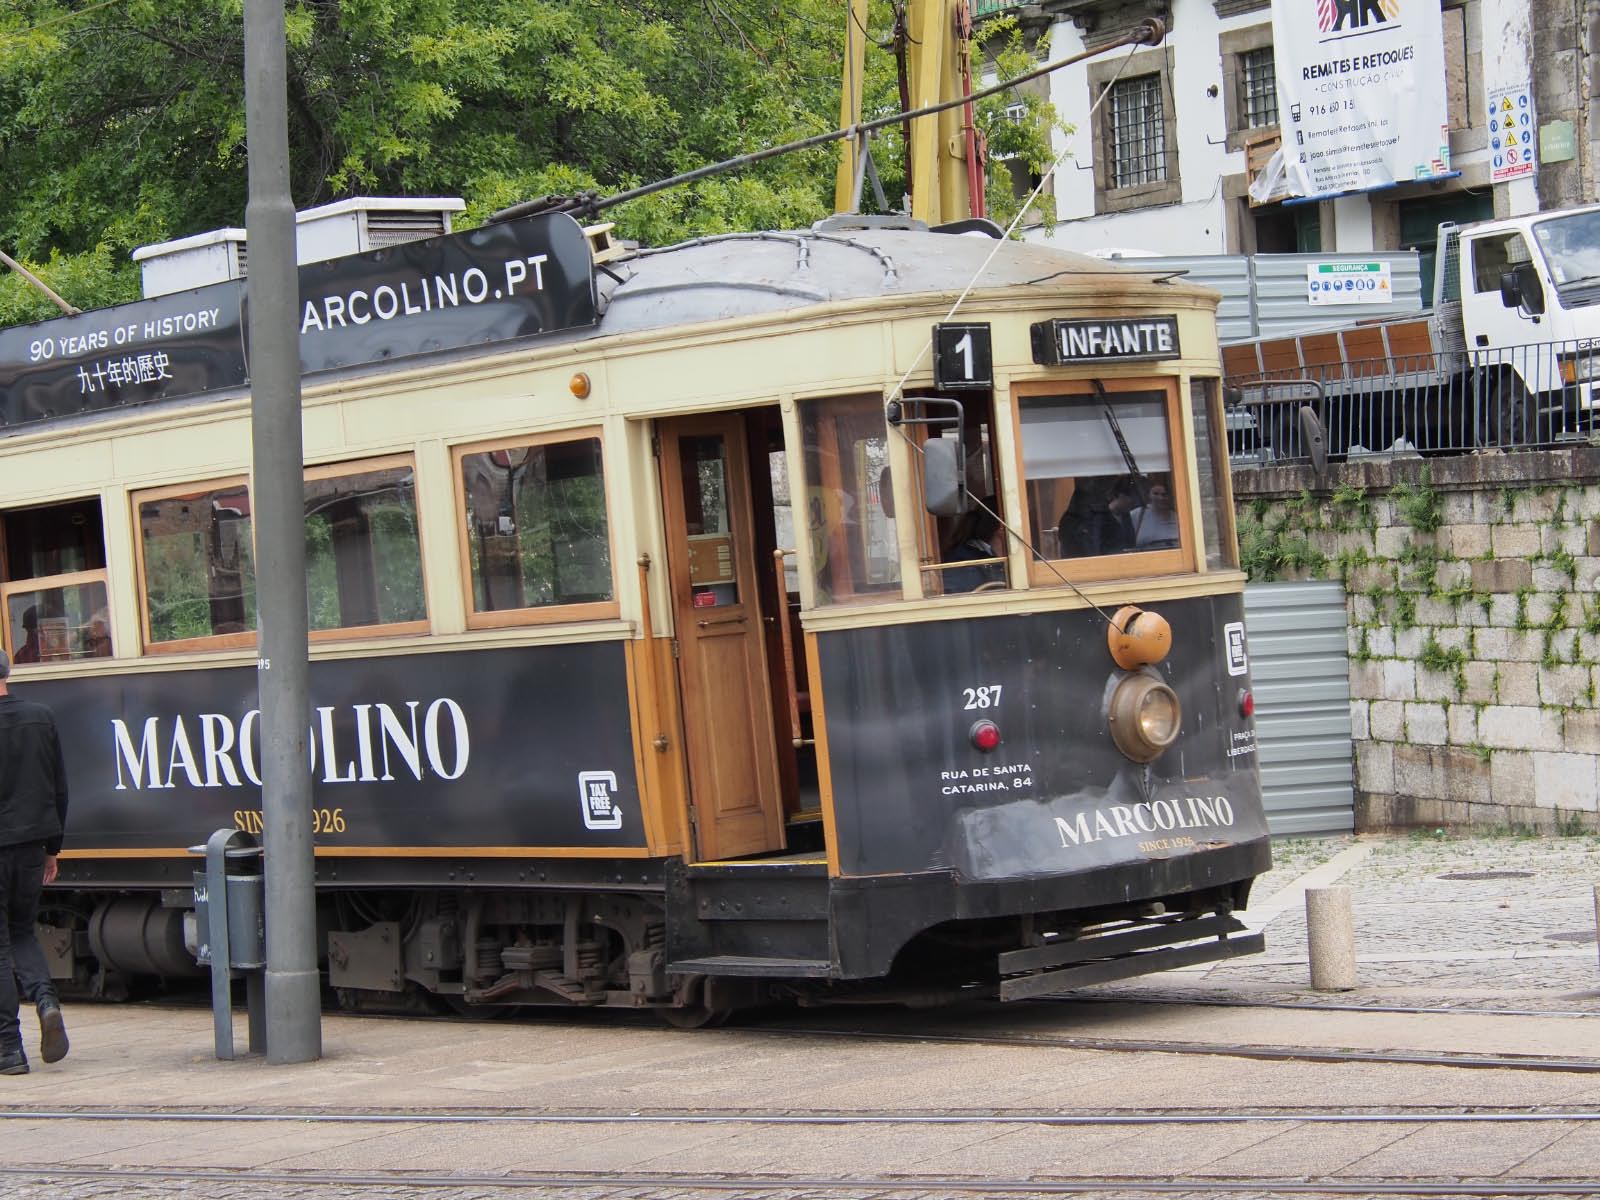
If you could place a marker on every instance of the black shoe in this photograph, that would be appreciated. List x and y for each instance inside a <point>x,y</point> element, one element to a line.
<point>53,1042</point>
<point>14,1062</point>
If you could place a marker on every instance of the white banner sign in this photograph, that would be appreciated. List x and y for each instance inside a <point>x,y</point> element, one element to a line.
<point>1361,97</point>
<point>1349,283</point>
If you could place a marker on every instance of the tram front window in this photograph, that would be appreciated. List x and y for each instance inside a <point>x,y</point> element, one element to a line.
<point>1100,480</point>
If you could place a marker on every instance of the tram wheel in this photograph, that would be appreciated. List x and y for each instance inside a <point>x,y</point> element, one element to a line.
<point>479,1012</point>
<point>694,1016</point>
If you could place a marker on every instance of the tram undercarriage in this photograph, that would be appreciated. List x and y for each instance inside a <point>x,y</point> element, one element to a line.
<point>486,952</point>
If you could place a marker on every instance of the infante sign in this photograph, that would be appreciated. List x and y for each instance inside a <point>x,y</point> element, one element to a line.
<point>486,285</point>
<point>1058,342</point>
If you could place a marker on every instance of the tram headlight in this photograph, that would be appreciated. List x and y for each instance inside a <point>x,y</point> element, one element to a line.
<point>1144,717</point>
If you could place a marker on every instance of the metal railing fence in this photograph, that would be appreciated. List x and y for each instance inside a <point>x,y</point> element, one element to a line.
<point>1517,397</point>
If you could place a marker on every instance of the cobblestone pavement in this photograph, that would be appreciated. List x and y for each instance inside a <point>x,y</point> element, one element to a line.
<point>1473,923</point>
<point>1478,925</point>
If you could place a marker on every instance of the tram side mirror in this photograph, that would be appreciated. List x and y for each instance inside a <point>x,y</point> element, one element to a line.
<point>944,477</point>
<point>1520,289</point>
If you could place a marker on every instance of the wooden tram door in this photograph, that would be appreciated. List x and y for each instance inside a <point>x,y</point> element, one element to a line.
<point>716,608</point>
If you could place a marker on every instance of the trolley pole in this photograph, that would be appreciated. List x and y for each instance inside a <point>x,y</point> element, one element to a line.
<point>293,994</point>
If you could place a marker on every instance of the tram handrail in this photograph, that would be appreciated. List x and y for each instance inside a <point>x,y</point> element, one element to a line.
<point>647,659</point>
<point>791,683</point>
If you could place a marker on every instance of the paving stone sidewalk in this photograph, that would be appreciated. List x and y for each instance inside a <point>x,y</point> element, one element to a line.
<point>1458,922</point>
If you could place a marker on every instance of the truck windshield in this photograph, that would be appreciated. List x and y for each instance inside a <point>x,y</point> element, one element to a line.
<point>1571,247</point>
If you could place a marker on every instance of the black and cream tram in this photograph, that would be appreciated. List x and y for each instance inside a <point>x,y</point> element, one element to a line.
<point>689,627</point>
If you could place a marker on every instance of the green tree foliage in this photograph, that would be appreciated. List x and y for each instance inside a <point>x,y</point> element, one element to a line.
<point>122,123</point>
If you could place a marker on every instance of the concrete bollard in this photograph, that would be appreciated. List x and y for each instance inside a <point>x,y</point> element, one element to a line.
<point>1331,939</point>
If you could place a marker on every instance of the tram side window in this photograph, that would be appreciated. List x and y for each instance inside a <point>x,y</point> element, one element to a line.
<point>849,510</point>
<point>1214,484</point>
<point>538,544</point>
<point>54,583</point>
<point>363,554</point>
<point>363,558</point>
<point>197,563</point>
<point>1100,481</point>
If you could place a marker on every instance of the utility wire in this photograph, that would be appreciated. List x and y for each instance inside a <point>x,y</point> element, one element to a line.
<point>30,30</point>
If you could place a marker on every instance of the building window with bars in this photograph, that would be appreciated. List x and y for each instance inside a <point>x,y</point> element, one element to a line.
<point>1137,132</point>
<point>1258,88</point>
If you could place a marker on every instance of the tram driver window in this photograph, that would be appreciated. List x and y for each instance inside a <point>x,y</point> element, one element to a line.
<point>537,541</point>
<point>53,580</point>
<point>1100,482</point>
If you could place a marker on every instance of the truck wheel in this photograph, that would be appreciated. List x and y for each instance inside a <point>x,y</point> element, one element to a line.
<point>1281,422</point>
<point>1508,412</point>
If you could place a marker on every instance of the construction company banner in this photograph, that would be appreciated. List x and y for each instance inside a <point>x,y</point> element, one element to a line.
<point>1511,131</point>
<point>1361,95</point>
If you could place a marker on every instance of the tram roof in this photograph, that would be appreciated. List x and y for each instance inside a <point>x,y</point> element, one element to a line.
<point>188,346</point>
<point>749,274</point>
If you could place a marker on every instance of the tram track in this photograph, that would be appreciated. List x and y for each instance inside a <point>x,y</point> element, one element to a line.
<point>1380,1115</point>
<point>879,1187</point>
<point>1273,1053</point>
<point>1269,1052</point>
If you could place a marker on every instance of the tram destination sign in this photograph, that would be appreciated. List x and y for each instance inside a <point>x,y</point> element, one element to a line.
<point>499,283</point>
<point>1062,341</point>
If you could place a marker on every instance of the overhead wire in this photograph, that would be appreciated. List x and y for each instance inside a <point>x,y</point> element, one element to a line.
<point>30,30</point>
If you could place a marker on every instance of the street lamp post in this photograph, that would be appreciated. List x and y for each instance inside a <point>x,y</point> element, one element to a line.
<point>293,991</point>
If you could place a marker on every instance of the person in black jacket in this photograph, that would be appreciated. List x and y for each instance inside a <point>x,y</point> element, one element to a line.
<point>33,817</point>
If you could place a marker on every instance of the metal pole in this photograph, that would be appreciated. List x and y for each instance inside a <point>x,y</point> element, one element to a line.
<point>293,994</point>
<point>38,283</point>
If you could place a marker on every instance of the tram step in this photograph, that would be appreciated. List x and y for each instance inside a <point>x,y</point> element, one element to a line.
<point>735,964</point>
<point>775,913</point>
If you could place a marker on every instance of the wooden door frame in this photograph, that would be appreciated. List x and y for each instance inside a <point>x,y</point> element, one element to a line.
<point>696,724</point>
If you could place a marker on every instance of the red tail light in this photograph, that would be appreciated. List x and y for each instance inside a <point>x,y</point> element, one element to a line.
<point>1247,704</point>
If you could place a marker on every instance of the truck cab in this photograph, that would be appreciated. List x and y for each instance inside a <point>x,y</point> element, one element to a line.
<point>1529,294</point>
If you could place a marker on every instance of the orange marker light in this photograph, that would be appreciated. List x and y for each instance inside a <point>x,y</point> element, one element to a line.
<point>1138,638</point>
<point>579,384</point>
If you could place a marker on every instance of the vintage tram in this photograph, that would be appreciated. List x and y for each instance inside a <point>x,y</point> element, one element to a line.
<point>689,627</point>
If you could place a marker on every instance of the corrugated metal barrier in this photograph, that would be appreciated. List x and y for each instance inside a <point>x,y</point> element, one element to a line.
<point>1300,674</point>
<point>1270,295</point>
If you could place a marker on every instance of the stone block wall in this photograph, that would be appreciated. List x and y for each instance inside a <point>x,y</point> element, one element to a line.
<point>1473,593</point>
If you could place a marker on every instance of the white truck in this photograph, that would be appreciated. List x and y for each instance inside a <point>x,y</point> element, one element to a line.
<point>1509,355</point>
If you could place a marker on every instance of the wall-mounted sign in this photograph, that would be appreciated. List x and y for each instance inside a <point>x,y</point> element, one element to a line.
<point>1511,134</point>
<point>1558,142</point>
<point>506,281</point>
<point>1061,342</point>
<point>1361,96</point>
<point>1349,283</point>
